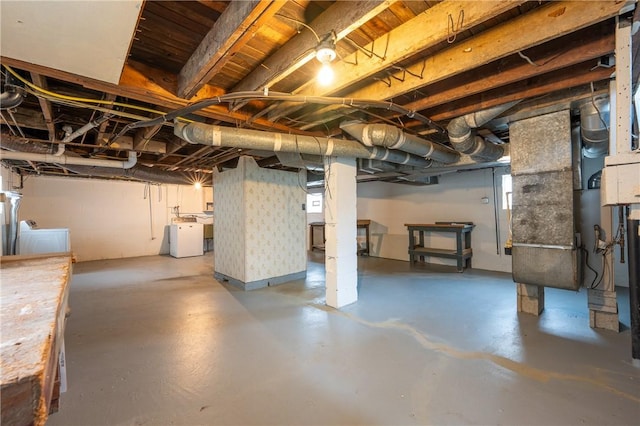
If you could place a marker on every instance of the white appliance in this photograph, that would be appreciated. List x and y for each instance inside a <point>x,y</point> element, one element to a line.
<point>32,239</point>
<point>186,239</point>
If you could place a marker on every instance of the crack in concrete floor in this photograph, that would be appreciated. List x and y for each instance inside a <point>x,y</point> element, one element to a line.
<point>516,367</point>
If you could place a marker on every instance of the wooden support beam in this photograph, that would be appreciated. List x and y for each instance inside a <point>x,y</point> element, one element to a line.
<point>550,21</point>
<point>539,86</point>
<point>146,84</point>
<point>591,43</point>
<point>45,105</point>
<point>635,51</point>
<point>420,33</point>
<point>342,17</point>
<point>235,27</point>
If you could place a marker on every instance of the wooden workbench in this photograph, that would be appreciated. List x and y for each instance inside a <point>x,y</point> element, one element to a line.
<point>33,305</point>
<point>361,224</point>
<point>462,252</point>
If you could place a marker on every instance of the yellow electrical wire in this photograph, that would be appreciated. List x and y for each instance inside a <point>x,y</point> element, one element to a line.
<point>85,100</point>
<point>76,104</point>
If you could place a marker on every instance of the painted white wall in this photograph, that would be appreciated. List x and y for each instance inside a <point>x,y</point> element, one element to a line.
<point>458,197</point>
<point>9,180</point>
<point>109,219</point>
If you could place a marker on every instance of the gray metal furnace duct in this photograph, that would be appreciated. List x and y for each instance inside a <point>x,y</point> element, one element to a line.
<point>464,139</point>
<point>594,127</point>
<point>12,95</point>
<point>138,172</point>
<point>544,250</point>
<point>204,134</point>
<point>391,137</point>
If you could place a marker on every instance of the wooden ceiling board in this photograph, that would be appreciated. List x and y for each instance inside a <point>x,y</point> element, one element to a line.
<point>217,6</point>
<point>418,7</point>
<point>193,11</point>
<point>168,12</point>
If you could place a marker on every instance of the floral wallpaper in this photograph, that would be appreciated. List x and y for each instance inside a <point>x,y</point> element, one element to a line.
<point>228,214</point>
<point>260,223</point>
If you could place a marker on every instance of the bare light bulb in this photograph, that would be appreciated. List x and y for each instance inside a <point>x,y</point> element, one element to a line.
<point>197,185</point>
<point>325,75</point>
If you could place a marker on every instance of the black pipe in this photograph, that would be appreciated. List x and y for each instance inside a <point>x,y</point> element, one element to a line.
<point>633,245</point>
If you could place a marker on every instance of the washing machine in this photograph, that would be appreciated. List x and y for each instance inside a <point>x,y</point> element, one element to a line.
<point>32,239</point>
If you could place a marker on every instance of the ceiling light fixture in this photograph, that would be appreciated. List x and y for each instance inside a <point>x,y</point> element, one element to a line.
<point>325,53</point>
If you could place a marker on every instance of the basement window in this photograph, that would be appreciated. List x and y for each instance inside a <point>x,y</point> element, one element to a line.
<point>314,203</point>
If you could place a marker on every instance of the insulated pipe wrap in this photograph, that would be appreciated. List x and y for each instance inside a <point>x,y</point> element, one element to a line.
<point>393,138</point>
<point>463,138</point>
<point>204,134</point>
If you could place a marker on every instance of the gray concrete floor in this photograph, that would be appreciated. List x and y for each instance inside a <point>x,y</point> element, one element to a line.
<point>157,341</point>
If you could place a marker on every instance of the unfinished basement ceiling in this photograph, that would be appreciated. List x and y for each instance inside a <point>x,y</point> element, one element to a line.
<point>436,60</point>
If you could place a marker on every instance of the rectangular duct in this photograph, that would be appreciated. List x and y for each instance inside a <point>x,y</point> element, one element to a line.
<point>543,222</point>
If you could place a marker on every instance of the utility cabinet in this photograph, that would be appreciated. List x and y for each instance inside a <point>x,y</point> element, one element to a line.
<point>186,239</point>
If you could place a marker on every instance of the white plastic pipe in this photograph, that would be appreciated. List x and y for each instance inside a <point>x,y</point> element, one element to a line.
<point>65,159</point>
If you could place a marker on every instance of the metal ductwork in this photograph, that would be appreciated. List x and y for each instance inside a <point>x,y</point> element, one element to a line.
<point>545,250</point>
<point>68,160</point>
<point>594,127</point>
<point>12,95</point>
<point>464,139</point>
<point>138,172</point>
<point>301,161</point>
<point>197,133</point>
<point>391,137</point>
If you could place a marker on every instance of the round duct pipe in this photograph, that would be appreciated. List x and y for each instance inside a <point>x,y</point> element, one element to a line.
<point>204,134</point>
<point>390,137</point>
<point>462,133</point>
<point>594,127</point>
<point>12,95</point>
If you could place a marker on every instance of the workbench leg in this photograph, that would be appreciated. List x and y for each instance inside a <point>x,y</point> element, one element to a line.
<point>367,240</point>
<point>459,251</point>
<point>412,245</point>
